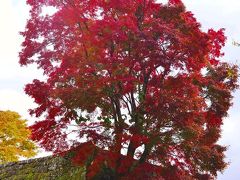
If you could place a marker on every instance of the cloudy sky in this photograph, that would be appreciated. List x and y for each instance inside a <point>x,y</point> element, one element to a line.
<point>210,13</point>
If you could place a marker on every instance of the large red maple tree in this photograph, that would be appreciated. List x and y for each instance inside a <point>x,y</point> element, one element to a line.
<point>137,83</point>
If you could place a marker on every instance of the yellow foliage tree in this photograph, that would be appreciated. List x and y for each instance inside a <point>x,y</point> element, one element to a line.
<point>14,138</point>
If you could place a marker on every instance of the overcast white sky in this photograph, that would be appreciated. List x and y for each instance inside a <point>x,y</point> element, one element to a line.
<point>210,13</point>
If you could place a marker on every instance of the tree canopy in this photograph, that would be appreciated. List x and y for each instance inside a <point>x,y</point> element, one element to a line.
<point>137,83</point>
<point>14,138</point>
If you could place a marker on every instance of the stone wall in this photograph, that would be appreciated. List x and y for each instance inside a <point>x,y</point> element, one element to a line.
<point>47,168</point>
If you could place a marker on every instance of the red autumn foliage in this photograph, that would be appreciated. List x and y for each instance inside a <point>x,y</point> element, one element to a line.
<point>138,84</point>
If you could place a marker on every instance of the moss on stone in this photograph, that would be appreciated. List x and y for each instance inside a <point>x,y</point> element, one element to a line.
<point>47,168</point>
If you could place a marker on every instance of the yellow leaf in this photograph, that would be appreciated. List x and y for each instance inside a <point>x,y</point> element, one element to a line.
<point>14,138</point>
